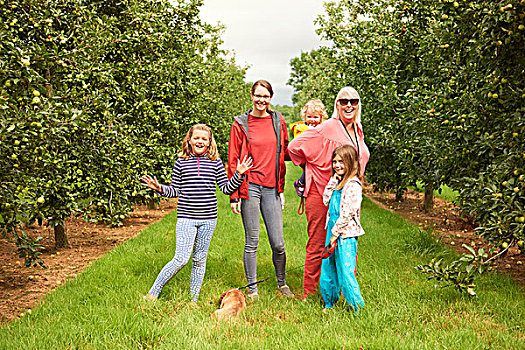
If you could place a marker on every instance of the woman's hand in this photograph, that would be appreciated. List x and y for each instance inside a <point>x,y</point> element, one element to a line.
<point>247,164</point>
<point>151,182</point>
<point>333,239</point>
<point>236,207</point>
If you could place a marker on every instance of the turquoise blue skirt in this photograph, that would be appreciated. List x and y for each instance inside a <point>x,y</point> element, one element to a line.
<point>338,271</point>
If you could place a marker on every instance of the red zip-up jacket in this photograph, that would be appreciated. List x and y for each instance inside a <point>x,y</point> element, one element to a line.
<point>239,146</point>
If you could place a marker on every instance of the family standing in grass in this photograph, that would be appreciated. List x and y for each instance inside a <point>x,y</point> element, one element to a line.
<point>258,149</point>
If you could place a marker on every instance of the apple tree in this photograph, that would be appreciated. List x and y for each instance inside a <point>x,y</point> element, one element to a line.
<point>94,94</point>
<point>442,88</point>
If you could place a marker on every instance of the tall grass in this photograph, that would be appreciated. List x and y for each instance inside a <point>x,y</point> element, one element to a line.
<point>103,308</point>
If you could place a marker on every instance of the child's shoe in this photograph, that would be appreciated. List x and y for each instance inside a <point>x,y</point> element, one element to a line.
<point>299,188</point>
<point>253,296</point>
<point>149,297</point>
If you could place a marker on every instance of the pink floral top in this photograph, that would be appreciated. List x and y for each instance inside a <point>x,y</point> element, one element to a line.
<point>349,222</point>
<point>313,149</point>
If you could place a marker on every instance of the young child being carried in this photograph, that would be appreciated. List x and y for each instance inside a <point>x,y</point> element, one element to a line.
<point>195,174</point>
<point>312,114</point>
<point>343,194</point>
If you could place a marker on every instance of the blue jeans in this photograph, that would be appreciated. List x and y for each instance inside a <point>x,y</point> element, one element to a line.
<point>267,201</point>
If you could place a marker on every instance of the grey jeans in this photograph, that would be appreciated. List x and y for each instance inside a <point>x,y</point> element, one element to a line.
<point>267,201</point>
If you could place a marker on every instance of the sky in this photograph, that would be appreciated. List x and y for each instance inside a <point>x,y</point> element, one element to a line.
<point>265,35</point>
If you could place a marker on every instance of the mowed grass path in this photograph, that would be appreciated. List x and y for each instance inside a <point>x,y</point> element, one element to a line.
<point>103,308</point>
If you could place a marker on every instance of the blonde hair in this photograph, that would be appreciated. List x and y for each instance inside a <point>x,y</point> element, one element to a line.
<point>353,94</point>
<point>212,153</point>
<point>314,105</point>
<point>350,160</point>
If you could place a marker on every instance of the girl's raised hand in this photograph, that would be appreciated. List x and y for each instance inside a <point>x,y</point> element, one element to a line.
<point>247,164</point>
<point>151,182</point>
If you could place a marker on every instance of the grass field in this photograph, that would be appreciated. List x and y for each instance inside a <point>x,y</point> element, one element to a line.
<point>103,308</point>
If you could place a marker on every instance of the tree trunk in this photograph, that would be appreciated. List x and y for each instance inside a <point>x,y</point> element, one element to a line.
<point>399,194</point>
<point>60,236</point>
<point>49,86</point>
<point>151,204</point>
<point>428,203</point>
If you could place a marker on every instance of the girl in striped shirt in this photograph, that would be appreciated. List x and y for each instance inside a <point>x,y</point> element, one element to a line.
<point>194,176</point>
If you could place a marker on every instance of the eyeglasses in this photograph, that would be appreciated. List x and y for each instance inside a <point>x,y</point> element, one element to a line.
<point>344,101</point>
<point>261,97</point>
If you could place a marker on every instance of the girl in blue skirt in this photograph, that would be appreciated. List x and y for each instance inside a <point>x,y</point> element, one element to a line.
<point>343,194</point>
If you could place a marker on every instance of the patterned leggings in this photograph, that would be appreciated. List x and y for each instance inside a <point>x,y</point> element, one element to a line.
<point>190,234</point>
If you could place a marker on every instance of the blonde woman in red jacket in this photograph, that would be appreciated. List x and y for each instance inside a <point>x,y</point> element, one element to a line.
<point>261,134</point>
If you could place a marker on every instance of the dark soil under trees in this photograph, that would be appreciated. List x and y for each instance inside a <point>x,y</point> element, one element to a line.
<point>450,227</point>
<point>23,288</point>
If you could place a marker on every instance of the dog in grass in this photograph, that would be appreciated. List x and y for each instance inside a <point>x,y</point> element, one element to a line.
<point>231,304</point>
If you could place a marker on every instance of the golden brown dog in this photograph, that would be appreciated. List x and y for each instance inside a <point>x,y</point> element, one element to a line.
<point>231,304</point>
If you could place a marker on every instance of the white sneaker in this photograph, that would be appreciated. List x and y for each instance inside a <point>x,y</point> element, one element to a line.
<point>253,296</point>
<point>149,297</point>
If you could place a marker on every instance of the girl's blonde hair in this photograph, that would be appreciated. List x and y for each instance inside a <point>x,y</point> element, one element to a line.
<point>353,94</point>
<point>351,161</point>
<point>212,153</point>
<point>314,105</point>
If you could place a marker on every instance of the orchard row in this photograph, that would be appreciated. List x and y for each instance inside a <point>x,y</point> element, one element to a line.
<point>443,91</point>
<point>95,93</point>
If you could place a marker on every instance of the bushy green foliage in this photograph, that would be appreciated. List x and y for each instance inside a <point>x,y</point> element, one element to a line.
<point>442,85</point>
<point>29,249</point>
<point>96,93</point>
<point>460,273</point>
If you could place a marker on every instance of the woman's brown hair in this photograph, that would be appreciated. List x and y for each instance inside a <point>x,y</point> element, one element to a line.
<point>212,153</point>
<point>350,159</point>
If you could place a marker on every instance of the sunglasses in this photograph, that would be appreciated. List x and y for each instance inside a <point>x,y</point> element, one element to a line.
<point>344,101</point>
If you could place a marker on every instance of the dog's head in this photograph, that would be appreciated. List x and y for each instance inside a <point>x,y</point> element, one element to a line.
<point>228,292</point>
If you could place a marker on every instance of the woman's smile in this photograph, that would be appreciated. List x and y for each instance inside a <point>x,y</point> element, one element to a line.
<point>261,99</point>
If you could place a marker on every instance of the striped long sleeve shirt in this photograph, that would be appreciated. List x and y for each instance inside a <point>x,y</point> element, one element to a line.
<point>193,181</point>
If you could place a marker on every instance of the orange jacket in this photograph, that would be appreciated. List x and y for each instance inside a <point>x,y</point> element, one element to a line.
<point>239,146</point>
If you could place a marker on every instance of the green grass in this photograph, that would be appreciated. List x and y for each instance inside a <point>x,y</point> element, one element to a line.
<point>446,192</point>
<point>103,307</point>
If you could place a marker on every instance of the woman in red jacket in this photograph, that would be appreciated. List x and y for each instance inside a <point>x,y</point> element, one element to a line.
<point>261,134</point>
